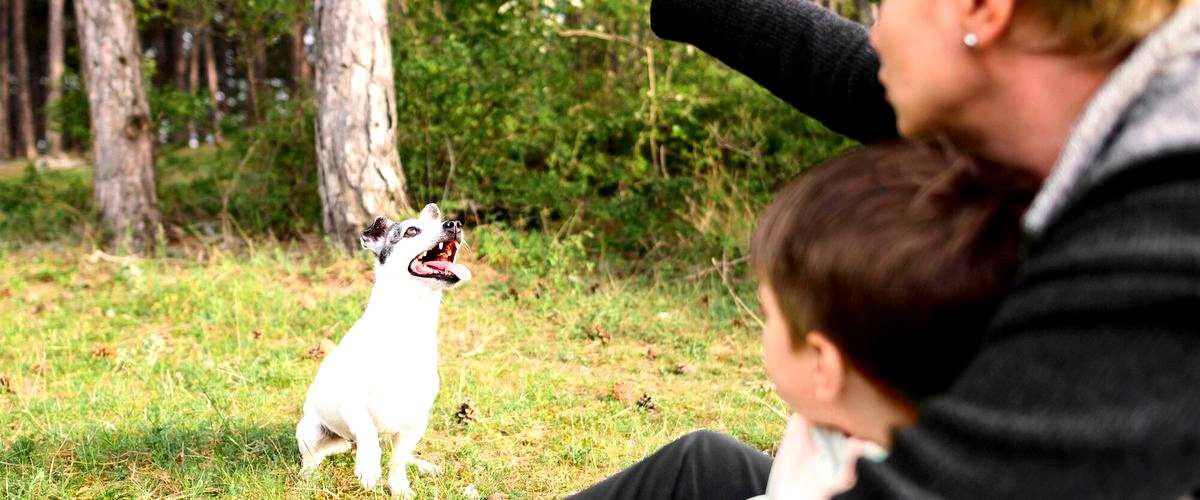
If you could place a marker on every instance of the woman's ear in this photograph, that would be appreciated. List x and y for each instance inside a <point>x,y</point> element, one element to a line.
<point>829,370</point>
<point>986,21</point>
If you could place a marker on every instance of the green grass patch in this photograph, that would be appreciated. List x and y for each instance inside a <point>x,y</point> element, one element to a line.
<point>184,375</point>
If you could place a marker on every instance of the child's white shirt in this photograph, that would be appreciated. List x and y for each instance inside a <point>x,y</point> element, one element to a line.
<point>814,462</point>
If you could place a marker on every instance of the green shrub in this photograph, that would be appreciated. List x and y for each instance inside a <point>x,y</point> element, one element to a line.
<point>45,206</point>
<point>536,115</point>
<point>69,116</point>
<point>544,128</point>
<point>264,182</point>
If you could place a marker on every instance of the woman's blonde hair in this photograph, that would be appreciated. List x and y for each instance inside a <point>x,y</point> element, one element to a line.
<point>1100,28</point>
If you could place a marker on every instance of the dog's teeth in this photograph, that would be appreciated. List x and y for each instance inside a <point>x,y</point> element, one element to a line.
<point>440,245</point>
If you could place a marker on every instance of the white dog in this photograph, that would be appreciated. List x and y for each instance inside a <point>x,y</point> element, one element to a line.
<point>382,378</point>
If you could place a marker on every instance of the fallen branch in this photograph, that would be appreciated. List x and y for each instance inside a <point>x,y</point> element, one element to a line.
<point>100,255</point>
<point>727,264</point>
<point>737,300</point>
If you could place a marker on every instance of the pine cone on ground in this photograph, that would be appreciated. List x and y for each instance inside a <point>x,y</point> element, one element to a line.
<point>647,403</point>
<point>465,414</point>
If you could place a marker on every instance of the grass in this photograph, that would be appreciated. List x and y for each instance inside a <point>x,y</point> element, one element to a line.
<point>183,376</point>
<point>11,168</point>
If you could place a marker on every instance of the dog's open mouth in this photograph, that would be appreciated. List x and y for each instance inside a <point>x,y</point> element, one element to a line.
<point>438,263</point>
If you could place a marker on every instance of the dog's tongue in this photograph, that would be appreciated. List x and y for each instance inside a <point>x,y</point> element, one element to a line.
<point>456,269</point>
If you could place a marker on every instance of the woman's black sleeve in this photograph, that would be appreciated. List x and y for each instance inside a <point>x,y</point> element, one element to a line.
<point>814,60</point>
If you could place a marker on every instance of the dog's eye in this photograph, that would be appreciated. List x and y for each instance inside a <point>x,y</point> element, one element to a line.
<point>412,231</point>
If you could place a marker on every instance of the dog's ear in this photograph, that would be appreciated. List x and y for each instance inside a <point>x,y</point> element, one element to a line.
<point>375,236</point>
<point>432,211</point>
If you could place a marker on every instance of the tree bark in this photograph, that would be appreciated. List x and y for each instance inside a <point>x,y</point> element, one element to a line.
<point>180,55</point>
<point>252,45</point>
<point>214,85</point>
<point>301,70</point>
<point>54,59</point>
<point>193,85</point>
<point>26,137</point>
<point>122,135</point>
<point>5,96</point>
<point>359,167</point>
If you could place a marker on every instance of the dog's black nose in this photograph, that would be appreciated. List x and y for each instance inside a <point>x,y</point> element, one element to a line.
<point>452,226</point>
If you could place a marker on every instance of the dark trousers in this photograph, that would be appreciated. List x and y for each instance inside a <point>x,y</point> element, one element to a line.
<point>703,464</point>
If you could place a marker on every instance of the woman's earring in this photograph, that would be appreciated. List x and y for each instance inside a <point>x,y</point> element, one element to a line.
<point>970,40</point>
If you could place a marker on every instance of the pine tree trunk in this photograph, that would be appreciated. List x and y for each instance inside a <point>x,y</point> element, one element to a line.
<point>301,70</point>
<point>122,135</point>
<point>5,97</point>
<point>214,85</point>
<point>252,46</point>
<point>26,137</point>
<point>54,77</point>
<point>180,55</point>
<point>360,173</point>
<point>193,85</point>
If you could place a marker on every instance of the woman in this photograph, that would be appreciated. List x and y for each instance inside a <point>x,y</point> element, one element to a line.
<point>1089,384</point>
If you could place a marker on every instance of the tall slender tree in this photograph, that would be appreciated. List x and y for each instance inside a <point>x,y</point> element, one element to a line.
<point>5,95</point>
<point>360,174</point>
<point>212,78</point>
<point>301,69</point>
<point>180,54</point>
<point>26,136</point>
<point>254,54</point>
<point>181,43</point>
<point>122,135</point>
<point>54,63</point>
<point>193,83</point>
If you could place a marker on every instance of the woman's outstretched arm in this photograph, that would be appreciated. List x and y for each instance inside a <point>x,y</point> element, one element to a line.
<point>814,60</point>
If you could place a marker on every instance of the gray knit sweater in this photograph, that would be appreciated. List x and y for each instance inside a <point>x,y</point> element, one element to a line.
<point>1088,385</point>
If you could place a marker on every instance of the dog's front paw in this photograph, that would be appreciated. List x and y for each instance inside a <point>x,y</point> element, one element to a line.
<point>368,474</point>
<point>398,483</point>
<point>425,468</point>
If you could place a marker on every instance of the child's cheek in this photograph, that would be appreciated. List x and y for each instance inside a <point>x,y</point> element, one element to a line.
<point>777,359</point>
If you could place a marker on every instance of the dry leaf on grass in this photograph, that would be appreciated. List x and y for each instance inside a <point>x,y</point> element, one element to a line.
<point>319,351</point>
<point>103,351</point>
<point>307,302</point>
<point>623,393</point>
<point>166,339</point>
<point>653,352</point>
<point>9,385</point>
<point>597,332</point>
<point>684,369</point>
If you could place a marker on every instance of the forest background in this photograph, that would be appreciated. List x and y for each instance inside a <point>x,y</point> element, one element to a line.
<point>609,182</point>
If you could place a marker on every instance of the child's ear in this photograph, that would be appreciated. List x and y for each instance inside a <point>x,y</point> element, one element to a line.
<point>829,371</point>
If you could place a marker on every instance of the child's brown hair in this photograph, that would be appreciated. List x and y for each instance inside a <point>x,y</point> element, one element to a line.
<point>899,253</point>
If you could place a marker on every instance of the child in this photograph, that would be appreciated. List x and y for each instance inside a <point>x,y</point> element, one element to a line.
<point>878,273</point>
